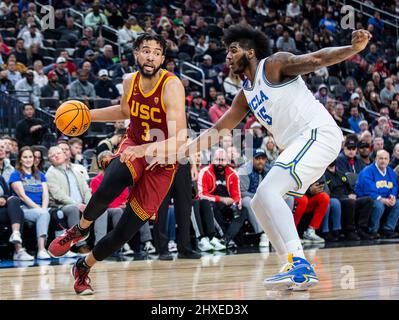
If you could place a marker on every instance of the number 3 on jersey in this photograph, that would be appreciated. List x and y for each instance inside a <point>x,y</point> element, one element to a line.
<point>146,136</point>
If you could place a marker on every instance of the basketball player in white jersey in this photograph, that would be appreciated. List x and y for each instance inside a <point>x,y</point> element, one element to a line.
<point>275,92</point>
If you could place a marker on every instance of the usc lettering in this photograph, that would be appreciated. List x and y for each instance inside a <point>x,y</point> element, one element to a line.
<point>144,112</point>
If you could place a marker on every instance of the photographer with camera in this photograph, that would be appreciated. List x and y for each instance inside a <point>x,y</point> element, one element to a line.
<point>220,185</point>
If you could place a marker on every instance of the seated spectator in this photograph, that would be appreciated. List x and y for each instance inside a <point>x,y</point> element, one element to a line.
<point>271,149</point>
<point>5,166</point>
<point>257,132</point>
<point>373,55</point>
<point>32,36</point>
<point>6,85</point>
<point>68,190</point>
<point>364,126</point>
<point>126,35</point>
<point>70,65</point>
<point>38,74</point>
<point>30,130</point>
<point>211,72</point>
<point>64,78</point>
<point>76,147</point>
<point>105,61</point>
<point>355,212</point>
<point>224,197</point>
<point>378,144</point>
<point>322,94</point>
<point>350,89</point>
<point>286,43</point>
<point>12,214</point>
<point>95,19</point>
<point>315,201</point>
<point>122,69</point>
<point>251,175</point>
<point>81,88</point>
<point>355,117</point>
<point>30,185</point>
<point>198,109</point>
<point>339,116</point>
<point>218,109</point>
<point>387,92</point>
<point>82,48</point>
<point>105,88</point>
<point>87,67</point>
<point>364,153</point>
<point>20,52</point>
<point>38,158</point>
<point>378,181</point>
<point>53,89</point>
<point>109,144</point>
<point>232,84</point>
<point>64,145</point>
<point>28,90</point>
<point>69,32</point>
<point>347,160</point>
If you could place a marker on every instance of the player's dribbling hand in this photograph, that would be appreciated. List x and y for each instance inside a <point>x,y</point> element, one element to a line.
<point>360,39</point>
<point>132,153</point>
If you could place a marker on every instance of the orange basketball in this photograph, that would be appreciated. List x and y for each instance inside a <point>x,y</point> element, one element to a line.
<point>72,118</point>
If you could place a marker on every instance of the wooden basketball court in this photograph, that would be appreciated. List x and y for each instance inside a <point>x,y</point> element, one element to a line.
<point>365,272</point>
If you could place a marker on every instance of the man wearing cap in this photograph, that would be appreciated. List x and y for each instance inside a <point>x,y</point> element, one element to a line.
<point>105,88</point>
<point>347,160</point>
<point>364,126</point>
<point>62,71</point>
<point>27,90</point>
<point>364,153</point>
<point>123,68</point>
<point>90,56</point>
<point>251,174</point>
<point>53,89</point>
<point>81,88</point>
<point>197,110</point>
<point>379,182</point>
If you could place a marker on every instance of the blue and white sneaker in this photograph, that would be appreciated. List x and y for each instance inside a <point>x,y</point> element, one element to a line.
<point>298,275</point>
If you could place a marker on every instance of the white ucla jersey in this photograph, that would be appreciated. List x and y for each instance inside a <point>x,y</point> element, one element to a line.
<point>287,109</point>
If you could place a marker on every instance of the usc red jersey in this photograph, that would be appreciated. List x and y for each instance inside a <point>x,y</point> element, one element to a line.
<point>147,111</point>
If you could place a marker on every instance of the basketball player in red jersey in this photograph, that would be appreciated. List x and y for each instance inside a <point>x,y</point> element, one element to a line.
<point>154,100</point>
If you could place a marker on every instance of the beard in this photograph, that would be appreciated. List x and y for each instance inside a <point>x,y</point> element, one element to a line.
<point>144,73</point>
<point>242,64</point>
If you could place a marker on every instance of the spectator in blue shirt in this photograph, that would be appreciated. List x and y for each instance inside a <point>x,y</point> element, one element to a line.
<point>329,22</point>
<point>378,181</point>
<point>376,22</point>
<point>29,184</point>
<point>355,118</point>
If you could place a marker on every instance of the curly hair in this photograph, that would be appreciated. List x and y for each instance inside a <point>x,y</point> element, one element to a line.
<point>148,37</point>
<point>248,38</point>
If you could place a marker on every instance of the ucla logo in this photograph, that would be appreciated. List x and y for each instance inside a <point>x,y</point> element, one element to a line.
<point>260,111</point>
<point>384,184</point>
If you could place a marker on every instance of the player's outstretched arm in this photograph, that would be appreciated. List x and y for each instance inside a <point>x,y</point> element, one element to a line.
<point>289,64</point>
<point>117,112</point>
<point>237,112</point>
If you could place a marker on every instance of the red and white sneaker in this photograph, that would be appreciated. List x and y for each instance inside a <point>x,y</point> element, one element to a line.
<point>61,245</point>
<point>82,281</point>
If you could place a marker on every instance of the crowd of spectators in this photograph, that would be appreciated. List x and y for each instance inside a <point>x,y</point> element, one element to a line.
<point>356,199</point>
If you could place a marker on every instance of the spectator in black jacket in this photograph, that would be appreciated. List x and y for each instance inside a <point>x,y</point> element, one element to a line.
<point>395,157</point>
<point>355,211</point>
<point>53,89</point>
<point>347,160</point>
<point>364,153</point>
<point>105,88</point>
<point>30,130</point>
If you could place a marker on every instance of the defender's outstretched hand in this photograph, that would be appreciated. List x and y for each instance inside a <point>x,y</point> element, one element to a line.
<point>360,39</point>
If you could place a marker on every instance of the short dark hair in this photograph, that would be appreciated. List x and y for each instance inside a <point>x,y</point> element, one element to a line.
<point>148,37</point>
<point>248,38</point>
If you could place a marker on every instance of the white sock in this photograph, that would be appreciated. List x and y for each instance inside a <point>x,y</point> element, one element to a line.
<point>295,247</point>
<point>274,215</point>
